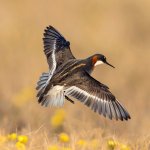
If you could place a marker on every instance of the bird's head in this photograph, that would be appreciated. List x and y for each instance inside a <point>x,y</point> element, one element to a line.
<point>98,59</point>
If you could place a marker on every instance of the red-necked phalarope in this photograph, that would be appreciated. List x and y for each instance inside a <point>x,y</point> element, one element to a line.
<point>69,78</point>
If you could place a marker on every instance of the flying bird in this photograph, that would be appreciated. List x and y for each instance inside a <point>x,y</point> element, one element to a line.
<point>70,78</point>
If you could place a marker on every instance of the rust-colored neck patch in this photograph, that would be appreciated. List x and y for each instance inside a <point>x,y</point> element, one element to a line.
<point>94,59</point>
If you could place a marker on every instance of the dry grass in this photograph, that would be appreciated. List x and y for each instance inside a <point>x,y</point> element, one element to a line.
<point>118,29</point>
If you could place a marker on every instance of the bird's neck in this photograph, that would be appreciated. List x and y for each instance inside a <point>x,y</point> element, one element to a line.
<point>91,62</point>
<point>89,65</point>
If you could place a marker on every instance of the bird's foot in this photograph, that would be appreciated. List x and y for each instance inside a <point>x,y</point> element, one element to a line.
<point>67,98</point>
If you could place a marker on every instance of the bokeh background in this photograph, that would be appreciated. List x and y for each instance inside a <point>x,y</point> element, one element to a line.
<point>118,29</point>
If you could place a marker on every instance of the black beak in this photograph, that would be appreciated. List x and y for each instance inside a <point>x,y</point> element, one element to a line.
<point>109,64</point>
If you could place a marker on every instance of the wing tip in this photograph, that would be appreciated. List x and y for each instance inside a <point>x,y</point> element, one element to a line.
<point>51,37</point>
<point>123,113</point>
<point>51,29</point>
<point>113,111</point>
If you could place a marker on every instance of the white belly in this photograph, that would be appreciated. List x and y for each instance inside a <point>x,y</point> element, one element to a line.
<point>55,96</point>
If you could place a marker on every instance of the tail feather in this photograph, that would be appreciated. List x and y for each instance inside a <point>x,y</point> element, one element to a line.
<point>42,78</point>
<point>42,81</point>
<point>41,85</point>
<point>53,97</point>
<point>45,74</point>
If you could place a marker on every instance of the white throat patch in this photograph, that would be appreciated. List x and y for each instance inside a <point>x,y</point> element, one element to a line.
<point>99,62</point>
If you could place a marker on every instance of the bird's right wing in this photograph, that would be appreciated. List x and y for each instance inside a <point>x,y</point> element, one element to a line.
<point>96,96</point>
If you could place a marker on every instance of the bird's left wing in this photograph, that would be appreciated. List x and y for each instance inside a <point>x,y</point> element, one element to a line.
<point>96,95</point>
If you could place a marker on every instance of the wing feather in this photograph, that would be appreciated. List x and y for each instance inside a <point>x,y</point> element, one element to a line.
<point>57,51</point>
<point>55,43</point>
<point>96,96</point>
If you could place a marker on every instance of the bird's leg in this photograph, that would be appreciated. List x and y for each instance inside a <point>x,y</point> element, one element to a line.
<point>67,98</point>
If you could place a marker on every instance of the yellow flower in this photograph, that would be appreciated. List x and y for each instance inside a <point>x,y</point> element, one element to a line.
<point>3,139</point>
<point>124,147</point>
<point>53,147</point>
<point>22,139</point>
<point>112,144</point>
<point>20,146</point>
<point>58,118</point>
<point>12,136</point>
<point>82,143</point>
<point>63,137</point>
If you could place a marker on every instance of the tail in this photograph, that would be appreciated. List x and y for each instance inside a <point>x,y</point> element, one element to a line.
<point>55,97</point>
<point>41,84</point>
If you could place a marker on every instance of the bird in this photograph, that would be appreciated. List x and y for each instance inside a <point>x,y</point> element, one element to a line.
<point>70,79</point>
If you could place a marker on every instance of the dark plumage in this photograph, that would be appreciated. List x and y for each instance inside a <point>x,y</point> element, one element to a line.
<point>70,78</point>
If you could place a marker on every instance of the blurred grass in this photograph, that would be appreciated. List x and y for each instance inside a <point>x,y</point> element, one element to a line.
<point>118,29</point>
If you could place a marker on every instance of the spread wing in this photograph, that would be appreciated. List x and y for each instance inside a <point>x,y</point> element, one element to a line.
<point>96,96</point>
<point>57,51</point>
<point>56,48</point>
